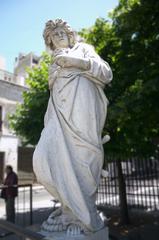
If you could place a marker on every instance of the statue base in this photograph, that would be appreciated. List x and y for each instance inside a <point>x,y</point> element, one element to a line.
<point>100,235</point>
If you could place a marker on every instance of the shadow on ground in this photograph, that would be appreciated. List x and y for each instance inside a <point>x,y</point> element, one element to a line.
<point>144,226</point>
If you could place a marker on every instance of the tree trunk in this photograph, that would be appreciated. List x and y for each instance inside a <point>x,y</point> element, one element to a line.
<point>124,215</point>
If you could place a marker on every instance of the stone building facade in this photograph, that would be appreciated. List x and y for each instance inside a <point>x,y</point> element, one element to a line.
<point>21,63</point>
<point>10,95</point>
<point>12,85</point>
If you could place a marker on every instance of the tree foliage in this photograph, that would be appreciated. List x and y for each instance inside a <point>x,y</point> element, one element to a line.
<point>130,45</point>
<point>27,121</point>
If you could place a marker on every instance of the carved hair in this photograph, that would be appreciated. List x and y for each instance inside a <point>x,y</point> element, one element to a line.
<point>51,26</point>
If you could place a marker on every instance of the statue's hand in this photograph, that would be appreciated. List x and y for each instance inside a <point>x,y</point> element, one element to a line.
<point>67,61</point>
<point>64,61</point>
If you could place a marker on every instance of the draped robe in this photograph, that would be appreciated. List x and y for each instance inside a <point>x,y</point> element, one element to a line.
<point>69,156</point>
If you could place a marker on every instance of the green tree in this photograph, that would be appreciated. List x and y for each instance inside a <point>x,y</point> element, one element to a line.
<point>129,44</point>
<point>27,121</point>
<point>134,111</point>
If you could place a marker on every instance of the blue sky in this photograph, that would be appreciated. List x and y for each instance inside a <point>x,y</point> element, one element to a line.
<point>22,22</point>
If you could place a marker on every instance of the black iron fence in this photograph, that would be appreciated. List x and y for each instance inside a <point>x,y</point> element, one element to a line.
<point>142,183</point>
<point>23,205</point>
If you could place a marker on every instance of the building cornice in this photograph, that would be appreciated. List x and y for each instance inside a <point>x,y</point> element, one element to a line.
<point>11,91</point>
<point>24,88</point>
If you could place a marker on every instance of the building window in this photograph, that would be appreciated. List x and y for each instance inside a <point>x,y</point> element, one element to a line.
<point>35,61</point>
<point>0,118</point>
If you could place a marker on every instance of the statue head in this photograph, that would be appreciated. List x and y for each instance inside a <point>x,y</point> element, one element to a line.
<point>51,27</point>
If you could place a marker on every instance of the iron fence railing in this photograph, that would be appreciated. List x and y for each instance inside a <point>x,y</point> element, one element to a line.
<point>142,184</point>
<point>23,205</point>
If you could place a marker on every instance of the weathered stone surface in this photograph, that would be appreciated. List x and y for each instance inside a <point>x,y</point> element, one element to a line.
<point>69,157</point>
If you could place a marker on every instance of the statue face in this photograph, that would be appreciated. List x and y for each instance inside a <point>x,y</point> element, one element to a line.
<point>60,38</point>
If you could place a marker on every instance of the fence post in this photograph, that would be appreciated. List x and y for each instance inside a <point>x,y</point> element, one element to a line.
<point>31,205</point>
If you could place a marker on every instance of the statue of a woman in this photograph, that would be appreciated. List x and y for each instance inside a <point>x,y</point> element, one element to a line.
<point>69,156</point>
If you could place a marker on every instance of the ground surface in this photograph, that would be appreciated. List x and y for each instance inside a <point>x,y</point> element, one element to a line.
<point>143,225</point>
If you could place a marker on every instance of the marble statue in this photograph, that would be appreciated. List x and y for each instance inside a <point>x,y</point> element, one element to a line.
<point>68,158</point>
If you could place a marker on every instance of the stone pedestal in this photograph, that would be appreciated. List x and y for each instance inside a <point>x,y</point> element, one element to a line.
<point>100,235</point>
<point>103,234</point>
